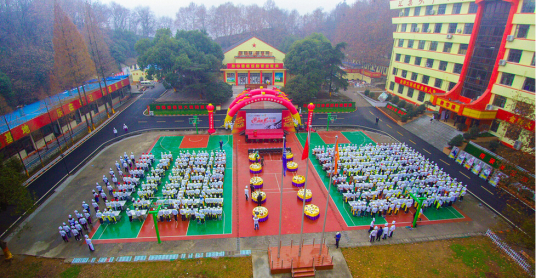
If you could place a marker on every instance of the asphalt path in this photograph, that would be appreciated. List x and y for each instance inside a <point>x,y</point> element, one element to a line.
<point>133,117</point>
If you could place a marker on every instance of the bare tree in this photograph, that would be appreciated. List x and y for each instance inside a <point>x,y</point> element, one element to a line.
<point>119,16</point>
<point>165,22</point>
<point>146,20</point>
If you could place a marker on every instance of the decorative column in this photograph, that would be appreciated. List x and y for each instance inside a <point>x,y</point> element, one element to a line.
<point>236,77</point>
<point>310,108</point>
<point>210,109</point>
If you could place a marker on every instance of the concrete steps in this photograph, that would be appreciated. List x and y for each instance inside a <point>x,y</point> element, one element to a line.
<point>303,272</point>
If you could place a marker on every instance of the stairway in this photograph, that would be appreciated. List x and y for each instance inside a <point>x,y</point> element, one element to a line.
<point>303,272</point>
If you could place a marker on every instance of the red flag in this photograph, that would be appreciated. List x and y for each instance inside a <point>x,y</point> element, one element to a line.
<point>306,149</point>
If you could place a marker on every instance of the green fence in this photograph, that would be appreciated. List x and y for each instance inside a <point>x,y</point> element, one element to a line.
<point>339,106</point>
<point>178,108</point>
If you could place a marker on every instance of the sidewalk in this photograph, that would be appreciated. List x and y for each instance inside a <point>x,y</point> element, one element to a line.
<point>437,133</point>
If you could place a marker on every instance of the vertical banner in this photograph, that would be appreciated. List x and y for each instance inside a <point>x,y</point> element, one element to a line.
<point>288,122</point>
<point>310,108</point>
<point>240,122</point>
<point>210,109</point>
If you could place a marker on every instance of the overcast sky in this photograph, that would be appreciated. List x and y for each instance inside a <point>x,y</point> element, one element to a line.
<point>170,7</point>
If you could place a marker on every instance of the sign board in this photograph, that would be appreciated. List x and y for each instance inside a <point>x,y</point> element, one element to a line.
<point>263,120</point>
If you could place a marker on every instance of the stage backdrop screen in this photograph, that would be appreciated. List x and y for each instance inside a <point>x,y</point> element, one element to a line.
<point>263,121</point>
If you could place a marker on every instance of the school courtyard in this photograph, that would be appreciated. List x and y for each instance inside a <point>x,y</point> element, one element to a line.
<point>233,235</point>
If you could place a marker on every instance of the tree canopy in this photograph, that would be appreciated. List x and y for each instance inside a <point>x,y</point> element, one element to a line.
<point>316,62</point>
<point>13,193</point>
<point>190,62</point>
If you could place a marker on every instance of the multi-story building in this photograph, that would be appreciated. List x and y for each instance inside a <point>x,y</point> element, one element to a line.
<point>472,60</point>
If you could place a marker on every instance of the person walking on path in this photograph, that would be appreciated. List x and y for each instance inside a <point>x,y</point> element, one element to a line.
<point>246,192</point>
<point>379,234</point>
<point>63,235</point>
<point>337,239</point>
<point>371,225</point>
<point>377,120</point>
<point>115,132</point>
<point>89,244</point>
<point>255,222</point>
<point>385,231</point>
<point>372,234</point>
<point>221,145</point>
<point>392,229</point>
<point>252,188</point>
<point>125,127</point>
<point>262,161</point>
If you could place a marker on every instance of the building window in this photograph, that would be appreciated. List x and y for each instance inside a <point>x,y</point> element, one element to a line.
<point>457,8</point>
<point>425,27</point>
<point>418,61</point>
<point>400,42</point>
<point>529,83</point>
<point>397,57</point>
<point>417,11</point>
<point>447,47</point>
<point>421,44</point>
<point>425,79</point>
<point>473,7</point>
<point>528,6</point>
<point>429,10</point>
<point>522,31</point>
<point>414,27</point>
<point>451,85</point>
<point>414,76</point>
<point>395,71</point>
<point>458,68</point>
<point>532,63</point>
<point>442,9</point>
<point>406,59</point>
<point>507,79</point>
<point>443,65</point>
<point>452,28</point>
<point>403,27</point>
<point>429,63</point>
<point>468,29</point>
<point>495,125</point>
<point>392,86</point>
<point>421,96</point>
<point>438,82</point>
<point>463,48</point>
<point>499,101</point>
<point>514,55</point>
<point>404,73</point>
<point>410,92</point>
<point>433,46</point>
<point>437,28</point>
<point>406,12</point>
<point>400,89</point>
<point>410,43</point>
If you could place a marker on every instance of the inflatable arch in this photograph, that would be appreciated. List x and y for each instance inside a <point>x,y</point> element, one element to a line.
<point>261,91</point>
<point>263,97</point>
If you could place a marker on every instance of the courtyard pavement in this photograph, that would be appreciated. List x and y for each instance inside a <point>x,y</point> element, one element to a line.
<point>437,133</point>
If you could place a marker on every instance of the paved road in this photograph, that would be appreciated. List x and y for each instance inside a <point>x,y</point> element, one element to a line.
<point>364,116</point>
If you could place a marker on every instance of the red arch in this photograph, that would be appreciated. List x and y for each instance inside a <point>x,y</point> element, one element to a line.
<point>255,92</point>
<point>283,101</point>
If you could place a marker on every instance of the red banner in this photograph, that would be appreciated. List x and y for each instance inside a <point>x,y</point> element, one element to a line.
<point>255,66</point>
<point>240,122</point>
<point>42,120</point>
<point>418,86</point>
<point>365,72</point>
<point>515,119</point>
<point>288,123</point>
<point>309,117</point>
<point>210,109</point>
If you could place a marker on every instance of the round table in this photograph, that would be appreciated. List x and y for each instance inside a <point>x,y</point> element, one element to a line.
<point>298,181</point>
<point>290,156</point>
<point>312,212</point>
<point>292,166</point>
<point>308,197</point>
<point>257,182</point>
<point>261,212</point>
<point>253,157</point>
<point>254,195</point>
<point>255,168</point>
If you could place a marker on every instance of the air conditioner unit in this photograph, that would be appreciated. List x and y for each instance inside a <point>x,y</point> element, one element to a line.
<point>429,30</point>
<point>517,145</point>
<point>490,107</point>
<point>431,12</point>
<point>449,36</point>
<point>459,30</point>
<point>401,14</point>
<point>416,29</point>
<point>502,62</point>
<point>510,38</point>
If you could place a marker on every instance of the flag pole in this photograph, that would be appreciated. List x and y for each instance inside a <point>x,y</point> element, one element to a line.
<point>329,191</point>
<point>305,188</point>
<point>281,197</point>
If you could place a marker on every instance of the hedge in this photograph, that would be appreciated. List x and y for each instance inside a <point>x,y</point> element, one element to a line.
<point>396,109</point>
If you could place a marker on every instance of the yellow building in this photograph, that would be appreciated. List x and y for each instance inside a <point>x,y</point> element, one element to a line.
<point>472,60</point>
<point>254,61</point>
<point>138,75</point>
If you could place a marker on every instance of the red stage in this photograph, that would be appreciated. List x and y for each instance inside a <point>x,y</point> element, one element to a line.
<point>310,260</point>
<point>292,209</point>
<point>264,134</point>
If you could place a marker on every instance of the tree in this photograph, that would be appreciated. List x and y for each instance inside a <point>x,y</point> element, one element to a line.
<point>146,19</point>
<point>6,90</point>
<point>300,90</point>
<point>119,16</point>
<point>13,192</point>
<point>190,62</point>
<point>72,63</point>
